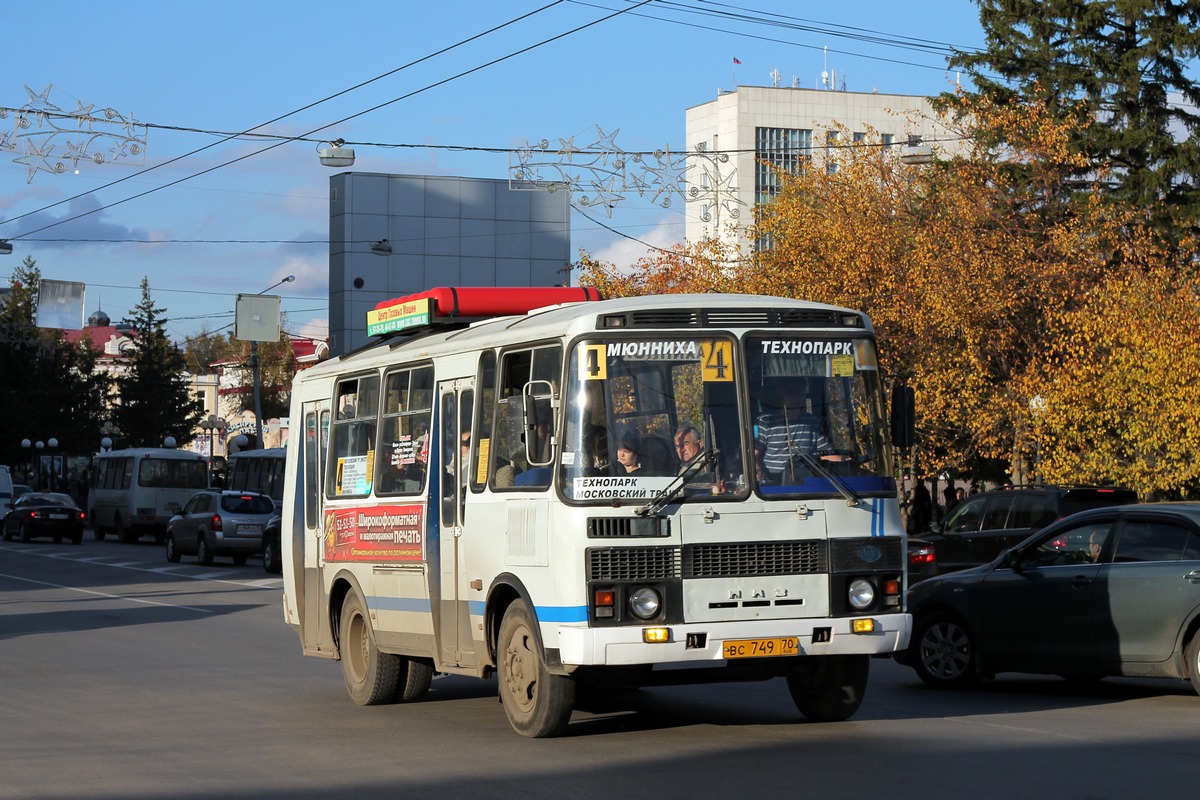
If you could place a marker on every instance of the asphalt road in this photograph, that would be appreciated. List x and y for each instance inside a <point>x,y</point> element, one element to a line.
<point>123,676</point>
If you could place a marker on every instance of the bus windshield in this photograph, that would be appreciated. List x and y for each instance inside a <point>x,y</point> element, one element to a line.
<point>639,411</point>
<point>818,415</point>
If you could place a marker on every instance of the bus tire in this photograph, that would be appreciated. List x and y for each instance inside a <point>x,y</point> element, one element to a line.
<point>371,677</point>
<point>416,675</point>
<point>538,704</point>
<point>829,688</point>
<point>124,535</point>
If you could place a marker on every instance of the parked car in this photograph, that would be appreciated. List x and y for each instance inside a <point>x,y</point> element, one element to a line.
<point>45,514</point>
<point>272,555</point>
<point>922,559</point>
<point>985,525</point>
<point>216,522</point>
<point>1111,591</point>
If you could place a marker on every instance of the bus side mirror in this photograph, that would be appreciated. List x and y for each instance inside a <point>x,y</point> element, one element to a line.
<point>903,416</point>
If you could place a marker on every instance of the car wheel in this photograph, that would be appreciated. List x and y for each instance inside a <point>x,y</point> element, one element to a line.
<point>58,540</point>
<point>1192,654</point>
<point>538,704</point>
<point>204,553</point>
<point>829,688</point>
<point>943,653</point>
<point>416,675</point>
<point>371,677</point>
<point>272,558</point>
<point>7,534</point>
<point>25,536</point>
<point>173,554</point>
<point>77,539</point>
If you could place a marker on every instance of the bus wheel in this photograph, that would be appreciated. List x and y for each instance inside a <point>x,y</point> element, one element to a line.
<point>97,531</point>
<point>829,688</point>
<point>371,677</point>
<point>416,674</point>
<point>537,703</point>
<point>124,536</point>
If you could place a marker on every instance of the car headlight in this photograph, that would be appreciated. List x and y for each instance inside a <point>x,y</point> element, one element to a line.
<point>861,594</point>
<point>645,603</point>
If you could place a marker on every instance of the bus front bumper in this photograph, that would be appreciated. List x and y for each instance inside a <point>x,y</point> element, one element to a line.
<point>695,643</point>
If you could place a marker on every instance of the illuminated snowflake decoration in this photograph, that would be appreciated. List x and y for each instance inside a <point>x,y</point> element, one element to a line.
<point>47,138</point>
<point>601,174</point>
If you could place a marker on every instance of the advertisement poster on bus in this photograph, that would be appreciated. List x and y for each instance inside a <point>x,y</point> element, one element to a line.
<point>379,533</point>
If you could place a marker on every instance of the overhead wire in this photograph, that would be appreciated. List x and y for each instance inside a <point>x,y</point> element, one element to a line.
<point>249,131</point>
<point>413,93</point>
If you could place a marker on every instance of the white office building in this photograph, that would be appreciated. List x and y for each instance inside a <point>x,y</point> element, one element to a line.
<point>745,130</point>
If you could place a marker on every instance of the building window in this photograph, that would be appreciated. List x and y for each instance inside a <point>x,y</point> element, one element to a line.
<point>778,150</point>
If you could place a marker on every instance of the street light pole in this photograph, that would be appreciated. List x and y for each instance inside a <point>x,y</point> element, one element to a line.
<point>258,433</point>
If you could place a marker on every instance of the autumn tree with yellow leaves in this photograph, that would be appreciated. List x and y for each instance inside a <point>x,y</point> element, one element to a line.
<point>1035,323</point>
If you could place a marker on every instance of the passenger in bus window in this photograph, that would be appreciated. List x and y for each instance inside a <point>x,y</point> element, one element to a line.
<point>688,444</point>
<point>628,452</point>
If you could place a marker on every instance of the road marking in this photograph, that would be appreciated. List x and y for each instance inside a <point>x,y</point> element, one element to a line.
<point>106,594</point>
<point>142,566</point>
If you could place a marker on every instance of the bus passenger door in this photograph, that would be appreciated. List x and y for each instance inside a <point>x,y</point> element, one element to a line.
<point>314,620</point>
<point>454,436</point>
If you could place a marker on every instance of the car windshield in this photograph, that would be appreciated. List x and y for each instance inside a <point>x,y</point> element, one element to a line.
<point>247,504</point>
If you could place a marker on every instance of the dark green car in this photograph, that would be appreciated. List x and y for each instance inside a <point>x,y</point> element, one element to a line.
<point>1111,591</point>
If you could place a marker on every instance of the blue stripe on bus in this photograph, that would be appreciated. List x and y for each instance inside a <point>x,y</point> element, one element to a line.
<point>418,604</point>
<point>475,608</point>
<point>561,613</point>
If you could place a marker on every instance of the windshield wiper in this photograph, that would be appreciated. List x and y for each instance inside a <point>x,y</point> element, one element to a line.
<point>672,490</point>
<point>852,499</point>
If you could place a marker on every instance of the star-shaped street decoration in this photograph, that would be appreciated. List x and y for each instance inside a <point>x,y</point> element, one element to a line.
<point>35,159</point>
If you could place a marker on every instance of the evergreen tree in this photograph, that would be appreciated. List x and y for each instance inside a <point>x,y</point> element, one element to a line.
<point>51,386</point>
<point>155,396</point>
<point>1115,65</point>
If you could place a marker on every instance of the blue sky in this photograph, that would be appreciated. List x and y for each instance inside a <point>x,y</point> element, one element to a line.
<point>242,214</point>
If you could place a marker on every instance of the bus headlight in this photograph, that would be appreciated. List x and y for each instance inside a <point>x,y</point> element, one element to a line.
<point>645,603</point>
<point>861,594</point>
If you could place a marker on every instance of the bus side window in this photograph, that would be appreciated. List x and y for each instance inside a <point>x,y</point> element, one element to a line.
<point>404,441</point>
<point>352,445</point>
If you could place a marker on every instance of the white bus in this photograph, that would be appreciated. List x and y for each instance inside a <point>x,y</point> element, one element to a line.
<point>133,492</point>
<point>262,471</point>
<point>459,500</point>
<point>258,471</point>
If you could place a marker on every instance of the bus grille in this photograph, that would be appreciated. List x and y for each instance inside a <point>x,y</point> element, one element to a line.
<point>633,563</point>
<point>755,558</point>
